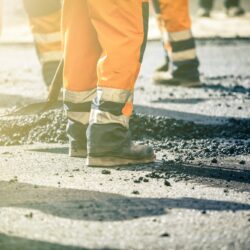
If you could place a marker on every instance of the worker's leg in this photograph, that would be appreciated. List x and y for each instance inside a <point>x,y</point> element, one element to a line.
<point>175,15</point>
<point>206,4</point>
<point>45,21</point>
<point>164,34</point>
<point>205,8</point>
<point>233,8</point>
<point>231,3</point>
<point>81,53</point>
<point>122,28</point>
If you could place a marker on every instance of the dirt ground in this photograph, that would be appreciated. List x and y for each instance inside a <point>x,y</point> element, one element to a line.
<point>196,196</point>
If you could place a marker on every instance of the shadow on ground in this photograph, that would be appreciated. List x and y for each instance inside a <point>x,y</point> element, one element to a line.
<point>184,116</point>
<point>60,150</point>
<point>8,101</point>
<point>230,89</point>
<point>235,178</point>
<point>100,206</point>
<point>180,101</point>
<point>8,242</point>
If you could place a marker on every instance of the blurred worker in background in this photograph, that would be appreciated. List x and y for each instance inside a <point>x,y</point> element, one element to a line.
<point>45,22</point>
<point>233,8</point>
<point>175,25</point>
<point>104,43</point>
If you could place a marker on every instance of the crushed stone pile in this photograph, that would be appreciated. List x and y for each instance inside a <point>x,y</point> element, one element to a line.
<point>179,137</point>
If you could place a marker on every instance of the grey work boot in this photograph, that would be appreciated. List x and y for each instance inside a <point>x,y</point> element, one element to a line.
<point>166,78</point>
<point>127,155</point>
<point>77,139</point>
<point>76,151</point>
<point>235,11</point>
<point>203,12</point>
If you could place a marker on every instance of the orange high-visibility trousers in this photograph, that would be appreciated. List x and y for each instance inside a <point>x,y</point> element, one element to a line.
<point>45,22</point>
<point>175,25</point>
<point>104,42</point>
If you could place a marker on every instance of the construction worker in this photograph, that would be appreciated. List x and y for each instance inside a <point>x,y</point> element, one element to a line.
<point>45,21</point>
<point>175,25</point>
<point>233,8</point>
<point>104,42</point>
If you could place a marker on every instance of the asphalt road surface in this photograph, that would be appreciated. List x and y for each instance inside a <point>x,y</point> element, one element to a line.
<point>196,196</point>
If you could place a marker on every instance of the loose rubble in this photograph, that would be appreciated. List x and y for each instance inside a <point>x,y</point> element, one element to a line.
<point>183,139</point>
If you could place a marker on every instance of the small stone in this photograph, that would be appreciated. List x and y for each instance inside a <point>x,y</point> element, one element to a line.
<point>105,171</point>
<point>214,160</point>
<point>30,215</point>
<point>167,183</point>
<point>137,181</point>
<point>6,153</point>
<point>242,162</point>
<point>135,192</point>
<point>165,235</point>
<point>203,212</point>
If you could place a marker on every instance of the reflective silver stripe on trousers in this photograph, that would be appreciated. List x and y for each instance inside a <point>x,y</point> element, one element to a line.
<point>100,117</point>
<point>180,36</point>
<point>82,117</point>
<point>184,55</point>
<point>78,98</point>
<point>114,95</point>
<point>47,38</point>
<point>51,56</point>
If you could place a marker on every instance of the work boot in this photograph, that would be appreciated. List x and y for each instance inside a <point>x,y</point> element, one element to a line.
<point>163,68</point>
<point>161,73</point>
<point>76,133</point>
<point>77,151</point>
<point>203,12</point>
<point>174,80</point>
<point>171,81</point>
<point>235,11</point>
<point>129,154</point>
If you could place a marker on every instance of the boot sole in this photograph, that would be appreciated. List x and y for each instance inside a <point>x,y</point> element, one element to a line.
<point>78,153</point>
<point>115,161</point>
